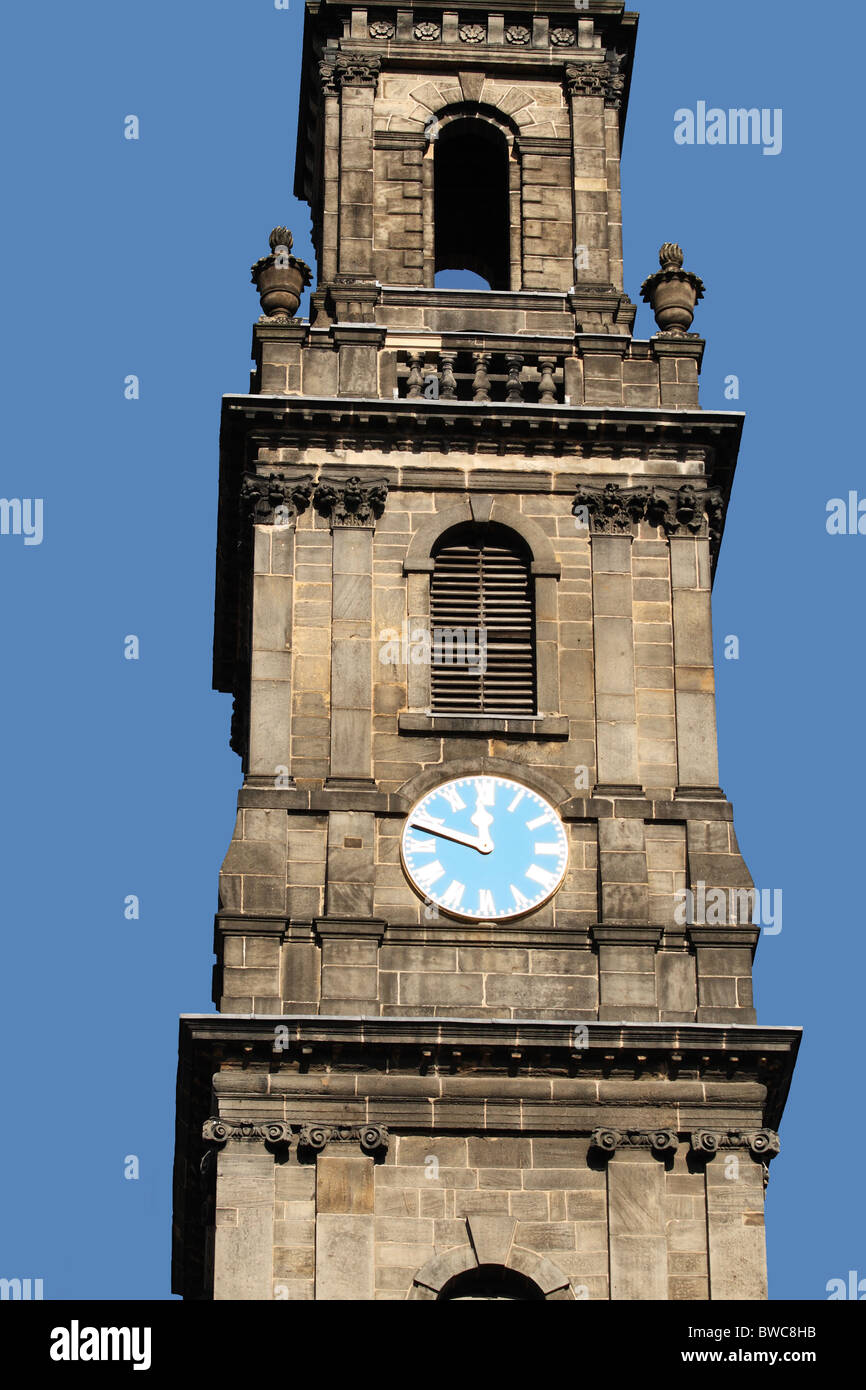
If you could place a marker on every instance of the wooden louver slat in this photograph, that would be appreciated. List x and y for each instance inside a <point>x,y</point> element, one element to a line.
<point>488,587</point>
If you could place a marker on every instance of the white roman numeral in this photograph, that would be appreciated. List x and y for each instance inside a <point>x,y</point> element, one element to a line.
<point>414,846</point>
<point>486,792</point>
<point>486,903</point>
<point>453,895</point>
<point>542,876</point>
<point>426,877</point>
<point>546,819</point>
<point>517,800</point>
<point>519,900</point>
<point>544,849</point>
<point>453,797</point>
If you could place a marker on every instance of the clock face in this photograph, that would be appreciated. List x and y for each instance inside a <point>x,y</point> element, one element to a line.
<point>484,848</point>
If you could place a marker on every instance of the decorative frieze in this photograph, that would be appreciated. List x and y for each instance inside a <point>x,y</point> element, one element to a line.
<point>596,80</point>
<point>607,1141</point>
<point>373,1139</point>
<point>763,1144</point>
<point>617,511</point>
<point>351,503</point>
<point>277,500</point>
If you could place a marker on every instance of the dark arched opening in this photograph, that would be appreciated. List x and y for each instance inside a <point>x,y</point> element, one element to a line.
<point>491,1282</point>
<point>471,202</point>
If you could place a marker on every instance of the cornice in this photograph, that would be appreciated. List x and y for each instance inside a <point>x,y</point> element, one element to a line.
<point>719,1055</point>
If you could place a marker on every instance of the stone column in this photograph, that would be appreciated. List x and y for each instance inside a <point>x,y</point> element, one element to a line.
<point>735,1180</point>
<point>613,633</point>
<point>353,508</point>
<point>244,1210</point>
<point>694,677</point>
<point>585,86</point>
<point>615,193</point>
<point>331,201</point>
<point>636,1211</point>
<point>358,78</point>
<point>345,1234</point>
<point>272,506</point>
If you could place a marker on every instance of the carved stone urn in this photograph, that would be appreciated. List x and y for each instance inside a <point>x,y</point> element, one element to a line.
<point>673,292</point>
<point>280,278</point>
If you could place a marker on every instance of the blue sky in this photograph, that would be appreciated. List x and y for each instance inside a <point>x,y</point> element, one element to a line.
<point>127,257</point>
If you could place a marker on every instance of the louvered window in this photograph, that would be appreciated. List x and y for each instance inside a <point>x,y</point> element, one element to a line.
<point>481,613</point>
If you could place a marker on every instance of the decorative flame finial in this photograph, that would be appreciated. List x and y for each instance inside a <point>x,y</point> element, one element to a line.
<point>281,236</point>
<point>671,256</point>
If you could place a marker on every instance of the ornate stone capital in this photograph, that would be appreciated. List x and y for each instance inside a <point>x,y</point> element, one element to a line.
<point>596,80</point>
<point>274,500</point>
<point>373,1139</point>
<point>217,1131</point>
<point>607,1141</point>
<point>354,71</point>
<point>351,503</point>
<point>612,510</point>
<point>763,1144</point>
<point>328,77</point>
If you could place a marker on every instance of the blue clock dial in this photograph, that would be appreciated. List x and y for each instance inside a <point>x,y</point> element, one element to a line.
<point>484,848</point>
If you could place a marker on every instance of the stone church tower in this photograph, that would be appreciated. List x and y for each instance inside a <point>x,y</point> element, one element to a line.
<point>474,1039</point>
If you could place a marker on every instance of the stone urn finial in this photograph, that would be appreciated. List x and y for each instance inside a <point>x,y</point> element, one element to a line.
<point>280,278</point>
<point>673,292</point>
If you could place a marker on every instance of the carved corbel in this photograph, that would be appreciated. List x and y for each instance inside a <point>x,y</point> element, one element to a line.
<point>660,1141</point>
<point>351,503</point>
<point>357,71</point>
<point>596,80</point>
<point>273,1132</point>
<point>274,500</point>
<point>613,510</point>
<point>373,1139</point>
<point>763,1144</point>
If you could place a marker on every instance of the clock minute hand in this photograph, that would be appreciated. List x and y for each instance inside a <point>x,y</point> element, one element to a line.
<point>483,847</point>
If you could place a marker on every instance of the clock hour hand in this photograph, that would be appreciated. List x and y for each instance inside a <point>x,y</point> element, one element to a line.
<point>483,819</point>
<point>434,828</point>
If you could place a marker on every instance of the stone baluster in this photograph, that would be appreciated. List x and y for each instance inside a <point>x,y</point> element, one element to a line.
<point>481,382</point>
<point>432,385</point>
<point>415,379</point>
<point>448,382</point>
<point>547,385</point>
<point>514,386</point>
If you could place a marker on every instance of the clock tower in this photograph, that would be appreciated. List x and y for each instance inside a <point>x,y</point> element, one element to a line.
<point>484,944</point>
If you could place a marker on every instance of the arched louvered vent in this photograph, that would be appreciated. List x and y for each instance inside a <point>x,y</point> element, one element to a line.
<point>481,613</point>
